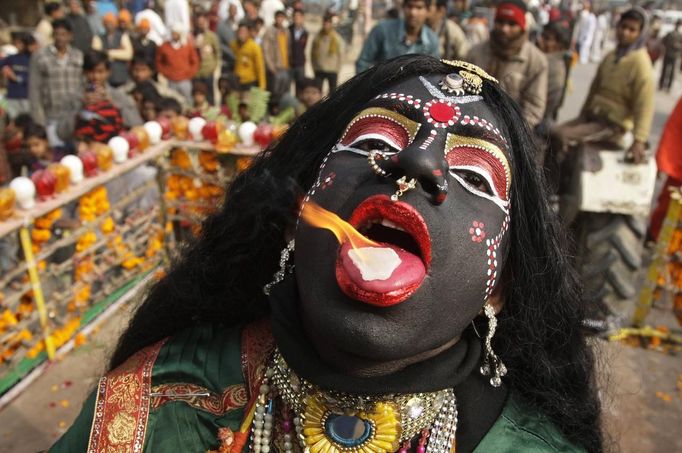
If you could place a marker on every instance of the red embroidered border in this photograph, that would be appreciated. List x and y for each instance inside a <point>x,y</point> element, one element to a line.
<point>122,406</point>
<point>233,397</point>
<point>257,345</point>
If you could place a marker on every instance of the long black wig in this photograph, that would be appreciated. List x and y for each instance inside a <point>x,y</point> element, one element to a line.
<point>220,276</point>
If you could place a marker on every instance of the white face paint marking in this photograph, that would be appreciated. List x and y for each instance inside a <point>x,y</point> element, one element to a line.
<point>375,263</point>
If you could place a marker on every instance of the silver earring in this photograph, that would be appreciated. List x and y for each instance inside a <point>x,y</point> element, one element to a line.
<point>492,365</point>
<point>371,158</point>
<point>283,268</point>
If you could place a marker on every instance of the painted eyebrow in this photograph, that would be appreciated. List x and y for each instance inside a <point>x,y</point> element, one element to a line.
<point>468,130</point>
<point>455,140</point>
<point>411,126</point>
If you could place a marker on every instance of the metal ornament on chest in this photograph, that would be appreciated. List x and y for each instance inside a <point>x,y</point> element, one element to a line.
<point>317,421</point>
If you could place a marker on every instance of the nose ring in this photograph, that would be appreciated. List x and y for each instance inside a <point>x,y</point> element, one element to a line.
<point>403,186</point>
<point>371,158</point>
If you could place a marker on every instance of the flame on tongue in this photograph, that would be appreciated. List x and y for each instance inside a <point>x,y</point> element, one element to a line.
<point>374,261</point>
<point>371,272</point>
<point>321,218</point>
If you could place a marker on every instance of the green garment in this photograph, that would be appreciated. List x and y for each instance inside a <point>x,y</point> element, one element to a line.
<point>208,49</point>
<point>209,355</point>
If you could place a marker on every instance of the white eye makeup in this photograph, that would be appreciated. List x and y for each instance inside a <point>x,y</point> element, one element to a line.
<point>480,167</point>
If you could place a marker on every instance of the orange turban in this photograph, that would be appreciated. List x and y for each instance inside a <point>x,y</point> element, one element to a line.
<point>109,18</point>
<point>144,25</point>
<point>125,17</point>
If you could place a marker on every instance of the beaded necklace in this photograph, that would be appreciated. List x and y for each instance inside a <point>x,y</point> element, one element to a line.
<point>316,421</point>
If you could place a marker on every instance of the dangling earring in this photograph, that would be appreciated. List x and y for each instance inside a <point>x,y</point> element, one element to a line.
<point>492,365</point>
<point>283,259</point>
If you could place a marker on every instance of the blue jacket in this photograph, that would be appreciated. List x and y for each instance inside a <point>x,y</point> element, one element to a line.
<point>387,40</point>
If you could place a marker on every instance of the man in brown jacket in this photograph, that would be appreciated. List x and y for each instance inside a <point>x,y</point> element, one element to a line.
<point>276,55</point>
<point>519,66</point>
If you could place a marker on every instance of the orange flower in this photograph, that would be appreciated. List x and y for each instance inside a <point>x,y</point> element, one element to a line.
<point>180,158</point>
<point>209,161</point>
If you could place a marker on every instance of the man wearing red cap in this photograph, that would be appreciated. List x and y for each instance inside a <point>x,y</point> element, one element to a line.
<point>508,56</point>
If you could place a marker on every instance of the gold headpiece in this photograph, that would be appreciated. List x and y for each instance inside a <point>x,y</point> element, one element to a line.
<point>470,68</point>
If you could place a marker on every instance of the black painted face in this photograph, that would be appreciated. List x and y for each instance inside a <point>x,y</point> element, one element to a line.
<point>436,258</point>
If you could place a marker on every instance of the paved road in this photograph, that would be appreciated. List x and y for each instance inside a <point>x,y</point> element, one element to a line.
<point>637,419</point>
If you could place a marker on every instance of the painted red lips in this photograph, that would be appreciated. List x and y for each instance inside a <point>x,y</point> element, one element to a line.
<point>403,252</point>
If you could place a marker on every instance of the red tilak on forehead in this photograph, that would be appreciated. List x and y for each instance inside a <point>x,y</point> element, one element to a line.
<point>381,126</point>
<point>441,113</point>
<point>463,155</point>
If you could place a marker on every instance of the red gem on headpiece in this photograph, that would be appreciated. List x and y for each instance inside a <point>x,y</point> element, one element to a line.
<point>442,112</point>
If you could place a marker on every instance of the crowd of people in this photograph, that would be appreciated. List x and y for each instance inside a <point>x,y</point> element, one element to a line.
<point>80,65</point>
<point>80,76</point>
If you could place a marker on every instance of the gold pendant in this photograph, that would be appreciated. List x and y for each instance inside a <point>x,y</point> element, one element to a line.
<point>325,431</point>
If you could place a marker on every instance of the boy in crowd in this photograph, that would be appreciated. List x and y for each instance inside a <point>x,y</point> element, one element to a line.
<point>249,64</point>
<point>15,68</point>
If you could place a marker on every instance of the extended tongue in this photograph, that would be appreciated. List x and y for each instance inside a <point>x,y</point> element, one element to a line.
<point>380,273</point>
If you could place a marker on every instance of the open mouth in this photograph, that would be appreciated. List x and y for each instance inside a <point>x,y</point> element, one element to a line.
<point>392,269</point>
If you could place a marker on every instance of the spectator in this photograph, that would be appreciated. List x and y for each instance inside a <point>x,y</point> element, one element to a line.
<point>268,10</point>
<point>250,11</point>
<point>621,96</point>
<point>600,36</point>
<point>118,47</point>
<point>276,55</point>
<point>143,46</point>
<point>13,135</point>
<point>308,93</point>
<point>177,16</point>
<point>654,42</point>
<point>394,37</point>
<point>125,22</point>
<point>43,32</point>
<point>584,32</point>
<point>476,28</point>
<point>554,42</point>
<point>177,61</point>
<point>298,37</point>
<point>35,153</point>
<point>453,43</point>
<point>672,43</point>
<point>226,34</point>
<point>158,30</point>
<point>326,54</point>
<point>55,79</point>
<point>104,110</point>
<point>231,10</point>
<point>143,92</point>
<point>82,33</point>
<point>258,31</point>
<point>201,107</point>
<point>15,69</point>
<point>94,19</point>
<point>249,65</point>
<point>208,48</point>
<point>141,72</point>
<point>150,109</point>
<point>169,108</point>
<point>508,56</point>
